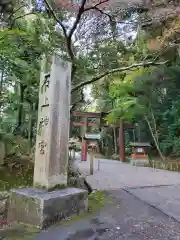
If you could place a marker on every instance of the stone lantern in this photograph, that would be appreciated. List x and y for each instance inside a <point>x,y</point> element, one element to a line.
<point>92,147</point>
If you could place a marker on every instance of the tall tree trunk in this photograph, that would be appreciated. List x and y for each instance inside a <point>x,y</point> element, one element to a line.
<point>21,100</point>
<point>30,126</point>
<point>115,140</point>
<point>1,81</point>
<point>134,135</point>
<point>139,132</point>
<point>155,126</point>
<point>1,85</point>
<point>154,136</point>
<point>102,146</point>
<point>18,129</point>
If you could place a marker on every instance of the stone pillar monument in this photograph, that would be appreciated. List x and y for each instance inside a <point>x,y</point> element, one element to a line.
<point>51,157</point>
<point>45,204</point>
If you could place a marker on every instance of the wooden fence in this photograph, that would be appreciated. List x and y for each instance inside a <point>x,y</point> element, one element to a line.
<point>169,165</point>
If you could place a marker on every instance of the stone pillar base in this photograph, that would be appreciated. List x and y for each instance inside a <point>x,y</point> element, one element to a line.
<point>42,209</point>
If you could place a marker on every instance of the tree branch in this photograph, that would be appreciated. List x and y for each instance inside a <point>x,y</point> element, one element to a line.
<point>136,65</point>
<point>97,4</point>
<point>21,16</point>
<point>95,7</point>
<point>78,18</point>
<point>56,17</point>
<point>81,10</point>
<point>81,100</point>
<point>68,37</point>
<point>24,5</point>
<point>104,13</point>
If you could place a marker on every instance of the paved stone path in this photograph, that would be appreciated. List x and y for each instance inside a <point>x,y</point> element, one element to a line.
<point>116,175</point>
<point>166,199</point>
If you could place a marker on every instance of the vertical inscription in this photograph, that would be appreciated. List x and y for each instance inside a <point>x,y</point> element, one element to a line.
<point>43,126</point>
<point>44,119</point>
<point>43,123</point>
<point>42,146</point>
<point>45,84</point>
<point>45,103</point>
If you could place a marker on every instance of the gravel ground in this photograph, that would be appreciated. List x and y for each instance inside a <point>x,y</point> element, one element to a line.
<point>125,218</point>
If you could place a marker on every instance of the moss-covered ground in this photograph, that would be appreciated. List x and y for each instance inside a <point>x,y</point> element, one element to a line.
<point>96,201</point>
<point>15,178</point>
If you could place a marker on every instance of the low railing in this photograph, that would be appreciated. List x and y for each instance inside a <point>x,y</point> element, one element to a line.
<point>169,165</point>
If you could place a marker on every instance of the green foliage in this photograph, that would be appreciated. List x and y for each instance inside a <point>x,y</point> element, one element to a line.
<point>21,49</point>
<point>14,145</point>
<point>127,105</point>
<point>9,180</point>
<point>146,93</point>
<point>153,95</point>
